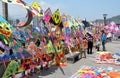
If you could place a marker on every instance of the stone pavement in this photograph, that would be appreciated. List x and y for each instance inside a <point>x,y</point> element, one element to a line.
<point>70,69</point>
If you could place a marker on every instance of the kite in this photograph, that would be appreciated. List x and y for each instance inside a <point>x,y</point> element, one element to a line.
<point>11,69</point>
<point>64,20</point>
<point>48,11</point>
<point>47,15</point>
<point>56,17</point>
<point>70,21</point>
<point>20,2</point>
<point>37,10</point>
<point>5,27</point>
<point>112,27</point>
<point>74,21</point>
<point>5,33</point>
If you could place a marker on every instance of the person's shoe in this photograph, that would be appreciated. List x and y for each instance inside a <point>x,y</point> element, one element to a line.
<point>29,75</point>
<point>91,53</point>
<point>104,50</point>
<point>23,77</point>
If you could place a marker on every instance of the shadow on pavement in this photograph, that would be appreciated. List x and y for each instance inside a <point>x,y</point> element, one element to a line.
<point>50,71</point>
<point>2,69</point>
<point>115,42</point>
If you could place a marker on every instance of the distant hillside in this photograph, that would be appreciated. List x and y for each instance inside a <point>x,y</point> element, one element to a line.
<point>116,19</point>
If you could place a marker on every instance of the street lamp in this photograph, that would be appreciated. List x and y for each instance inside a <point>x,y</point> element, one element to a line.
<point>104,16</point>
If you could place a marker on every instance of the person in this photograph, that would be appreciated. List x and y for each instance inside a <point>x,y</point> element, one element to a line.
<point>90,44</point>
<point>23,73</point>
<point>45,63</point>
<point>27,67</point>
<point>32,48</point>
<point>85,46</point>
<point>98,44</point>
<point>109,36</point>
<point>11,53</point>
<point>103,38</point>
<point>37,43</point>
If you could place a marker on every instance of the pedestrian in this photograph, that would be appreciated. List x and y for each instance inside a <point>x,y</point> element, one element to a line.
<point>103,38</point>
<point>85,45</point>
<point>98,44</point>
<point>23,73</point>
<point>109,36</point>
<point>90,44</point>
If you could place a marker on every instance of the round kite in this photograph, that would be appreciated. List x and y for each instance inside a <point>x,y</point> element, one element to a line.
<point>20,2</point>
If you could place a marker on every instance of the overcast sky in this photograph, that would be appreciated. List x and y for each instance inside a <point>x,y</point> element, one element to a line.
<point>89,9</point>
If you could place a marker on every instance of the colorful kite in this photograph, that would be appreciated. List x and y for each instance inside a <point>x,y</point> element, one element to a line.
<point>64,20</point>
<point>20,2</point>
<point>5,33</point>
<point>11,69</point>
<point>56,17</point>
<point>112,27</point>
<point>37,10</point>
<point>48,15</point>
<point>48,11</point>
<point>70,21</point>
<point>5,27</point>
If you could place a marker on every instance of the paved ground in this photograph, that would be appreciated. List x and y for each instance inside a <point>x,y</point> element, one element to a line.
<point>70,69</point>
<point>66,72</point>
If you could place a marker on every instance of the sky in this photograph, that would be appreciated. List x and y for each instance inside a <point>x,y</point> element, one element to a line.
<point>85,9</point>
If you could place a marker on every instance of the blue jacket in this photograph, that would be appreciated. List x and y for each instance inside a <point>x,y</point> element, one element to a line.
<point>103,37</point>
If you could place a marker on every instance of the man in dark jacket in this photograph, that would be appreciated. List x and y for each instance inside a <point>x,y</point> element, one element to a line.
<point>90,45</point>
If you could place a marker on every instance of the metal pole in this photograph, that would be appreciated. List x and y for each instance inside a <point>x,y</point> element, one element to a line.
<point>5,10</point>
<point>105,21</point>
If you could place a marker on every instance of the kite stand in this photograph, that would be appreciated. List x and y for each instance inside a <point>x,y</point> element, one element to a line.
<point>73,57</point>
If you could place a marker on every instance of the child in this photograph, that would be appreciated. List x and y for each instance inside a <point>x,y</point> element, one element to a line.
<point>27,67</point>
<point>45,63</point>
<point>85,46</point>
<point>98,44</point>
